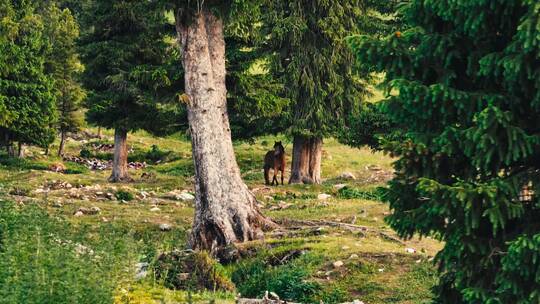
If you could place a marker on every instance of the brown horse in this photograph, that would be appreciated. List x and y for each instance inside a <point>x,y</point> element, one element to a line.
<point>275,160</point>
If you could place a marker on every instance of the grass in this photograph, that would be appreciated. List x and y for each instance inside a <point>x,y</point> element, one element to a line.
<point>376,269</point>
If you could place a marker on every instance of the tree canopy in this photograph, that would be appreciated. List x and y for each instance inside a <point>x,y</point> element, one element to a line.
<point>27,103</point>
<point>465,80</point>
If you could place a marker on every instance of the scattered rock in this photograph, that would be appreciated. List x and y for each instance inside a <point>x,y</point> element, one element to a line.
<point>323,196</point>
<point>87,211</point>
<point>141,270</point>
<point>165,227</point>
<point>373,168</point>
<point>410,250</point>
<point>353,256</point>
<point>338,264</point>
<point>347,175</point>
<point>154,209</point>
<point>180,195</point>
<point>57,167</point>
<point>345,248</point>
<point>339,186</point>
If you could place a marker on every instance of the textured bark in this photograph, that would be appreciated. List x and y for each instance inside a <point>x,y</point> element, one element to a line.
<point>62,143</point>
<point>20,153</point>
<point>306,160</point>
<point>120,165</point>
<point>226,211</point>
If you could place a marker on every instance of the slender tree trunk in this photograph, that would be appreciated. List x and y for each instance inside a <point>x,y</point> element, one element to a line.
<point>226,211</point>
<point>62,143</point>
<point>20,151</point>
<point>306,160</point>
<point>99,132</point>
<point>120,165</point>
<point>47,151</point>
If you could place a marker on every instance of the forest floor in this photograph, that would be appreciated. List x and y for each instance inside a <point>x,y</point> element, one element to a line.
<point>334,245</point>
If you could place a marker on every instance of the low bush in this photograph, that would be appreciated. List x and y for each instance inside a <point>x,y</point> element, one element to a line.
<point>290,281</point>
<point>188,270</point>
<point>124,195</point>
<point>352,193</point>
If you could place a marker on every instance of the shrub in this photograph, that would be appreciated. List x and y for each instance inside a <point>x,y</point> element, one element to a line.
<point>352,193</point>
<point>46,260</point>
<point>85,153</point>
<point>289,281</point>
<point>124,195</point>
<point>190,270</point>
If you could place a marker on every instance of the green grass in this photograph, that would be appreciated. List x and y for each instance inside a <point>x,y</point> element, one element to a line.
<point>405,278</point>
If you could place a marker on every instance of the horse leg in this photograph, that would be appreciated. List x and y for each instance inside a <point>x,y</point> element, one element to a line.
<point>282,172</point>
<point>266,175</point>
<point>276,171</point>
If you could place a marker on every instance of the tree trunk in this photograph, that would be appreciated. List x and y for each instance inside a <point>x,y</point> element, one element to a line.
<point>306,160</point>
<point>62,143</point>
<point>20,153</point>
<point>226,211</point>
<point>120,165</point>
<point>99,132</point>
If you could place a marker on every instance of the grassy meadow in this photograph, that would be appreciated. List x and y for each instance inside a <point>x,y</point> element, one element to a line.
<point>332,248</point>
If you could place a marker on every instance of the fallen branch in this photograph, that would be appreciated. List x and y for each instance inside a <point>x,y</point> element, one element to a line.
<point>351,227</point>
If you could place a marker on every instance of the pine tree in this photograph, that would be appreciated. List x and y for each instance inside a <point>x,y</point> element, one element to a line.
<point>27,104</point>
<point>466,78</point>
<point>63,64</point>
<point>316,66</point>
<point>127,55</point>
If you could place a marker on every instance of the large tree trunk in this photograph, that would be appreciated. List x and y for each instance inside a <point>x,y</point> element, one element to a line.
<point>226,211</point>
<point>120,165</point>
<point>306,160</point>
<point>20,153</point>
<point>62,143</point>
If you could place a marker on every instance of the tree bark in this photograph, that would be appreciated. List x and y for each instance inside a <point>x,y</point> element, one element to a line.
<point>62,143</point>
<point>226,211</point>
<point>306,160</point>
<point>120,165</point>
<point>20,153</point>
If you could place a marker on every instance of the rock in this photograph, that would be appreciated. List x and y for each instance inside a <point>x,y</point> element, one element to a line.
<point>345,248</point>
<point>268,198</point>
<point>87,211</point>
<point>353,256</point>
<point>165,227</point>
<point>57,167</point>
<point>272,296</point>
<point>347,175</point>
<point>141,270</point>
<point>338,264</point>
<point>155,209</point>
<point>109,195</point>
<point>180,195</point>
<point>373,168</point>
<point>323,196</point>
<point>410,250</point>
<point>339,186</point>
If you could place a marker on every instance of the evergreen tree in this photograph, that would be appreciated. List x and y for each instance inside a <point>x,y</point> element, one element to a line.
<point>316,66</point>
<point>467,78</point>
<point>27,104</point>
<point>127,55</point>
<point>63,64</point>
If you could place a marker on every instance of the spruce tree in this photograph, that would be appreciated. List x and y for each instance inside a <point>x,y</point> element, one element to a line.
<point>465,80</point>
<point>316,67</point>
<point>27,103</point>
<point>63,64</point>
<point>127,55</point>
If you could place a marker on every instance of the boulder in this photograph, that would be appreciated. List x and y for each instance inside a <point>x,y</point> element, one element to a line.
<point>180,195</point>
<point>324,196</point>
<point>347,175</point>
